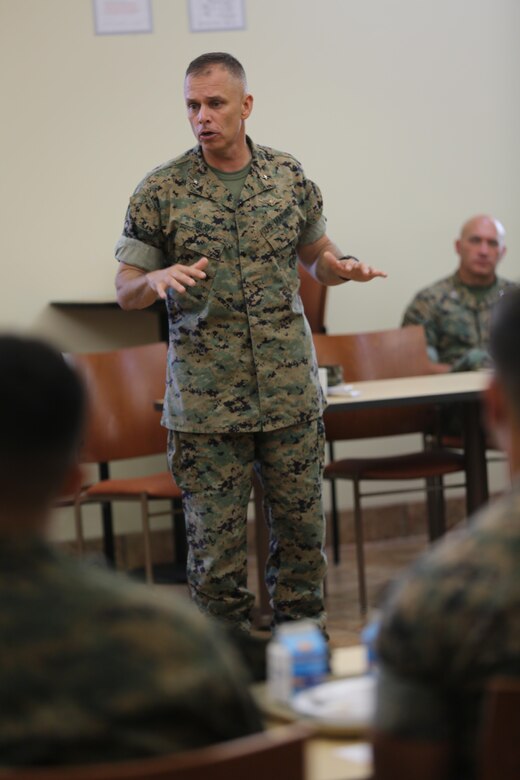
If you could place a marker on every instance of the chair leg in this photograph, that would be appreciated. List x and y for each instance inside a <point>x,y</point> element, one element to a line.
<point>436,508</point>
<point>334,521</point>
<point>107,520</point>
<point>360,549</point>
<point>334,511</point>
<point>78,521</point>
<point>147,539</point>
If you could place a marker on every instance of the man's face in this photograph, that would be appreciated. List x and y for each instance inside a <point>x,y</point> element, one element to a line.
<point>217,107</point>
<point>480,248</point>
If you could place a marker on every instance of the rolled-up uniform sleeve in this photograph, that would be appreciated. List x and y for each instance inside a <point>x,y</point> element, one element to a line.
<point>142,240</point>
<point>139,254</point>
<point>314,232</point>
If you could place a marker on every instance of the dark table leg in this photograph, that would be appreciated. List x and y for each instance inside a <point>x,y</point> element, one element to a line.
<point>109,549</point>
<point>477,491</point>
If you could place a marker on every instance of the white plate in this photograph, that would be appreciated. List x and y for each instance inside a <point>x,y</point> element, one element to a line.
<point>347,703</point>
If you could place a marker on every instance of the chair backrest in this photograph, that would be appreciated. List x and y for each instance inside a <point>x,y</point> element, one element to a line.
<point>270,754</point>
<point>122,386</point>
<point>385,354</point>
<point>314,299</point>
<point>498,755</point>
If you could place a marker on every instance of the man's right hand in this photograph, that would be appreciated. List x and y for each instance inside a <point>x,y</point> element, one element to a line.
<point>137,288</point>
<point>177,277</point>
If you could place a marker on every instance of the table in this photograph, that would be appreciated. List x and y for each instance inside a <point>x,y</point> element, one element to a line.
<point>465,387</point>
<point>328,758</point>
<point>334,758</point>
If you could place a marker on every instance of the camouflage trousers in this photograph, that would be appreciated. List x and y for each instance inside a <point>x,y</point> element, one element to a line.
<point>214,472</point>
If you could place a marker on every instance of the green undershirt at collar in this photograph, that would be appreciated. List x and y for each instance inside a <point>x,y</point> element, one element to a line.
<point>479,292</point>
<point>234,181</point>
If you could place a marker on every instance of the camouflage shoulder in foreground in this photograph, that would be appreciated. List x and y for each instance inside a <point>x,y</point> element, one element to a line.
<point>451,624</point>
<point>105,671</point>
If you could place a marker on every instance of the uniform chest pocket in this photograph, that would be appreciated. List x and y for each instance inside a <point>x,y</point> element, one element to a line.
<point>196,239</point>
<point>284,230</point>
<point>192,241</point>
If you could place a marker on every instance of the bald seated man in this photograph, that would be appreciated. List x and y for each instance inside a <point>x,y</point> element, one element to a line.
<point>455,312</point>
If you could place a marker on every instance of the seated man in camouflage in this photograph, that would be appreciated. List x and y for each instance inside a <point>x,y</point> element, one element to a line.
<point>453,621</point>
<point>455,311</point>
<point>93,667</point>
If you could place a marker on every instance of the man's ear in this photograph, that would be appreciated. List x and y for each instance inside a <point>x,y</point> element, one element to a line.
<point>247,106</point>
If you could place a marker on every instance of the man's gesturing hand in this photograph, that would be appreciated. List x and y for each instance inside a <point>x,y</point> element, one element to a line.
<point>351,269</point>
<point>177,276</point>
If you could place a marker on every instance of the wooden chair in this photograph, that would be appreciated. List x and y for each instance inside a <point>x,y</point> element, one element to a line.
<point>314,299</point>
<point>270,754</point>
<point>122,423</point>
<point>499,741</point>
<point>383,355</point>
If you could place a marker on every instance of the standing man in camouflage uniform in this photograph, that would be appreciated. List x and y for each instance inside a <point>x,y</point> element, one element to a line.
<point>217,233</point>
<point>93,666</point>
<point>453,622</point>
<point>455,311</point>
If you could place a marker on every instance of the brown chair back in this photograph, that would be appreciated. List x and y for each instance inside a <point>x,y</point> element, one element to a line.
<point>386,354</point>
<point>314,299</point>
<point>122,386</point>
<point>270,754</point>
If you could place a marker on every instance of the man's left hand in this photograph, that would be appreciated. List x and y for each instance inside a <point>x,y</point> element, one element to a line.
<point>351,269</point>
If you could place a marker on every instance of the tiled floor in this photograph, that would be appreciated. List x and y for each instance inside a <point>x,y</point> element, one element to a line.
<point>384,561</point>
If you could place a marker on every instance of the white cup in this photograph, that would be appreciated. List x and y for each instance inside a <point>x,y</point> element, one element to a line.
<point>323,380</point>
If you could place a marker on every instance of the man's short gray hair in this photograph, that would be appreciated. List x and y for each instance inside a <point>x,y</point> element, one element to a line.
<point>203,64</point>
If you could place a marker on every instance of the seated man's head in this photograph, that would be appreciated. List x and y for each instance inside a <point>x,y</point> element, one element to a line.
<point>480,246</point>
<point>42,411</point>
<point>503,397</point>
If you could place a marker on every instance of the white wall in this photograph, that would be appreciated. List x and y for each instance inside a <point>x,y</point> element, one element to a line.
<point>406,113</point>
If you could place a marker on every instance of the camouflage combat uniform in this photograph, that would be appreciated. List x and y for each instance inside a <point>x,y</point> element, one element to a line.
<point>242,382</point>
<point>456,321</point>
<point>451,624</point>
<point>94,667</point>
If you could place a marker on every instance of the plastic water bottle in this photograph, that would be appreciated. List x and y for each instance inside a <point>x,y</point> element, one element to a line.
<point>369,639</point>
<point>297,658</point>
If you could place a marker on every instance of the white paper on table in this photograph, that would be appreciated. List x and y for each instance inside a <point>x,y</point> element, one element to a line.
<point>348,702</point>
<point>343,389</point>
<point>361,753</point>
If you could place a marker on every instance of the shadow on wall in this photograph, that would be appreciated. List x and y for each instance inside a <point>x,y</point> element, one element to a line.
<point>96,329</point>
